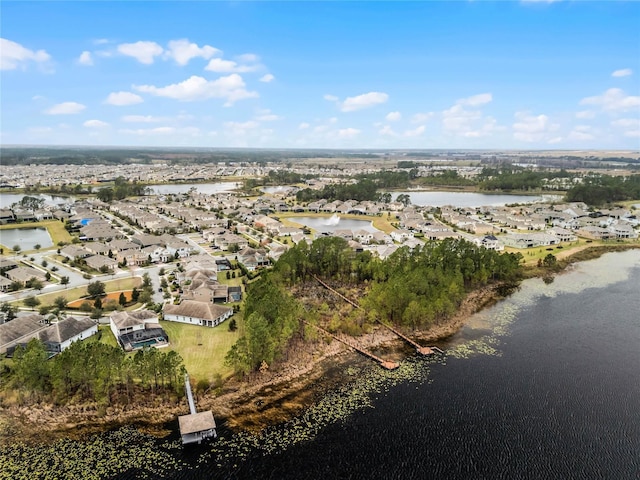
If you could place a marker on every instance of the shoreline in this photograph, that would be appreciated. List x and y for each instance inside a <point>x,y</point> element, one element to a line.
<point>267,398</point>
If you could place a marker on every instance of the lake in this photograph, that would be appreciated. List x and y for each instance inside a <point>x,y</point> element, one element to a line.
<point>206,188</point>
<point>333,223</point>
<point>470,199</point>
<point>276,189</point>
<point>543,385</point>
<point>27,238</point>
<point>7,199</point>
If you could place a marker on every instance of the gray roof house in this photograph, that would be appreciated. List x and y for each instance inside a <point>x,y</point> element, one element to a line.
<point>56,336</point>
<point>205,314</point>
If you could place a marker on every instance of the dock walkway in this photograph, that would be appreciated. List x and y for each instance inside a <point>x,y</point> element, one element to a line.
<point>419,348</point>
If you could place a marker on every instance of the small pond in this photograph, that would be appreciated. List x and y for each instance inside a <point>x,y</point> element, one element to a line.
<point>469,199</point>
<point>206,188</point>
<point>26,238</point>
<point>333,223</point>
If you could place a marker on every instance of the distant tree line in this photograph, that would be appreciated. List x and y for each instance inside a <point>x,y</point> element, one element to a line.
<point>517,178</point>
<point>602,189</point>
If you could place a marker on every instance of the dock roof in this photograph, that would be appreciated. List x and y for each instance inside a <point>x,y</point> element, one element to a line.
<point>196,422</point>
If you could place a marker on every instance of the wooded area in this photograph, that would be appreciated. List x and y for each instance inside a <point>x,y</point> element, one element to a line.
<point>92,371</point>
<point>411,289</point>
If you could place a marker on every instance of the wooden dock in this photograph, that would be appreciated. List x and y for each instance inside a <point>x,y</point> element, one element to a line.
<point>196,426</point>
<point>387,364</point>
<point>419,348</point>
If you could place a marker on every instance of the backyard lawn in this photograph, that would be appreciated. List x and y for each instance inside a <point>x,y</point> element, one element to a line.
<point>203,349</point>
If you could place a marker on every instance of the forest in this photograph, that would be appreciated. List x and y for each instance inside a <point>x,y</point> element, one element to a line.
<point>91,371</point>
<point>411,289</point>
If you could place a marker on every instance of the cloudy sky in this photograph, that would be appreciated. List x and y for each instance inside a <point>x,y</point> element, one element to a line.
<point>465,74</point>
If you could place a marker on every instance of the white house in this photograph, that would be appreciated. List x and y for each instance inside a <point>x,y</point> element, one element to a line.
<point>205,314</point>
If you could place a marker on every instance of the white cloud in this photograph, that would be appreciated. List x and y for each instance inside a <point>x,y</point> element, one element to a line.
<point>101,41</point>
<point>586,114</point>
<point>267,116</point>
<point>161,131</point>
<point>14,55</point>
<point>469,123</point>
<point>231,88</point>
<point>182,51</point>
<point>365,100</point>
<point>65,108</point>
<point>121,99</point>
<point>581,133</point>
<point>388,131</point>
<point>476,100</point>
<point>229,66</point>
<point>625,72</point>
<point>630,126</point>
<point>267,78</point>
<point>330,98</point>
<point>142,119</point>
<point>421,117</point>
<point>85,58</point>
<point>95,124</point>
<point>144,52</point>
<point>348,132</point>
<point>416,132</point>
<point>242,125</point>
<point>627,123</point>
<point>248,58</point>
<point>531,128</point>
<point>149,131</point>
<point>240,129</point>
<point>333,120</point>
<point>303,126</point>
<point>393,116</point>
<point>613,100</point>
<point>555,140</point>
<point>458,120</point>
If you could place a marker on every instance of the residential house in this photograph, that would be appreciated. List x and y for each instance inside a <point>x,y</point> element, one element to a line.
<point>138,329</point>
<point>205,314</point>
<point>99,262</point>
<point>56,336</point>
<point>24,274</point>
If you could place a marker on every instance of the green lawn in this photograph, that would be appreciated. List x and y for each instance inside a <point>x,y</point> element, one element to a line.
<point>106,336</point>
<point>72,294</point>
<point>202,349</point>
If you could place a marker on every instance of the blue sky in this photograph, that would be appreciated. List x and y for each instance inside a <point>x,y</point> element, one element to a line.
<point>465,74</point>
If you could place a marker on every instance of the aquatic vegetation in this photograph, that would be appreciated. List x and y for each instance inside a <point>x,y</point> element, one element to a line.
<point>101,456</point>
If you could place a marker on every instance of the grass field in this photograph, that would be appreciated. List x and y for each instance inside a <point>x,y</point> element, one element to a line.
<point>202,349</point>
<point>73,294</point>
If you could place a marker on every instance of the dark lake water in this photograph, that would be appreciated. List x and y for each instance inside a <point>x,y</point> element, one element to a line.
<point>544,385</point>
